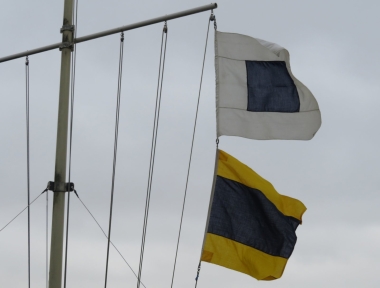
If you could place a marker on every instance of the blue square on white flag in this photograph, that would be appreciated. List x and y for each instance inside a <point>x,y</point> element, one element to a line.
<point>257,96</point>
<point>270,87</point>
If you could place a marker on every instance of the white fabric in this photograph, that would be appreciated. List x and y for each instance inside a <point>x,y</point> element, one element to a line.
<point>233,119</point>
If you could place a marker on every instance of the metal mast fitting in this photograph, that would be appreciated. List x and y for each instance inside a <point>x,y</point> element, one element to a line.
<point>64,45</point>
<point>114,31</point>
<point>60,187</point>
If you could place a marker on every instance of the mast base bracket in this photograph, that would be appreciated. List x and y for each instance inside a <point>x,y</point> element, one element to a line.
<point>60,186</point>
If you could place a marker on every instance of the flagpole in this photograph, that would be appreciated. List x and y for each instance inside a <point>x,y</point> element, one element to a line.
<point>57,231</point>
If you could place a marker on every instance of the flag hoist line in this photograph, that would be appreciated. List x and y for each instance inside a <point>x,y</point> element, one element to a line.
<point>27,158</point>
<point>60,185</point>
<point>121,54</point>
<point>211,19</point>
<point>161,70</point>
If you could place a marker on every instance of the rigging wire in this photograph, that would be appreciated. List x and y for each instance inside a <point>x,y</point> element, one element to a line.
<point>27,158</point>
<point>115,147</point>
<point>212,18</point>
<point>191,149</point>
<point>154,142</point>
<point>105,235</point>
<point>14,218</point>
<point>73,62</point>
<point>47,239</point>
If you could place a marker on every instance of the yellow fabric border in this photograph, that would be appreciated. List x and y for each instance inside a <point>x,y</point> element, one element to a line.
<point>231,168</point>
<point>233,255</point>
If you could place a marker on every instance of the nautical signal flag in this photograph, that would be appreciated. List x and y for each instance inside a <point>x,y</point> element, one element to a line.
<point>257,96</point>
<point>250,228</point>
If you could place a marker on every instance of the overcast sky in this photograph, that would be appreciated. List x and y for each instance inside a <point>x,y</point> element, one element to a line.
<point>334,51</point>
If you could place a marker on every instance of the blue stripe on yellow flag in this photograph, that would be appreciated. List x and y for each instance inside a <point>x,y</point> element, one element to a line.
<point>251,227</point>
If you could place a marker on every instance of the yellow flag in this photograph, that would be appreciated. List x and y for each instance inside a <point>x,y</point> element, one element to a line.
<point>251,227</point>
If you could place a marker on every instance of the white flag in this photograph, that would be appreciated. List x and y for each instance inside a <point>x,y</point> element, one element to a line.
<point>257,95</point>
